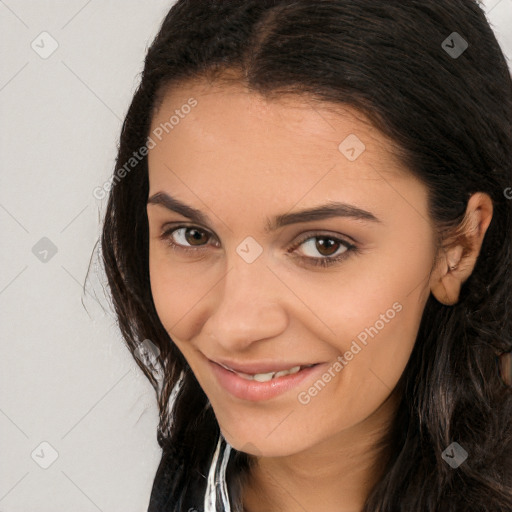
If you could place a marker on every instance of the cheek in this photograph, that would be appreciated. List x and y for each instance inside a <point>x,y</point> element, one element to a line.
<point>174,292</point>
<point>379,347</point>
<point>375,310</point>
<point>374,354</point>
<point>371,290</point>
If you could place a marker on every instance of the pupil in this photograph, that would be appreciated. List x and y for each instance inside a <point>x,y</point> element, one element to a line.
<point>196,236</point>
<point>322,245</point>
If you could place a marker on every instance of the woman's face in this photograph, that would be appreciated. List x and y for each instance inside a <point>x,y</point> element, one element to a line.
<point>243,285</point>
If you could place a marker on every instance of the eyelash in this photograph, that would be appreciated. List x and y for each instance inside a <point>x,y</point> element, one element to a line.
<point>324,261</point>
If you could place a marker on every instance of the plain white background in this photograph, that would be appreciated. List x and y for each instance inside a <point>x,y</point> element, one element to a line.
<point>71,397</point>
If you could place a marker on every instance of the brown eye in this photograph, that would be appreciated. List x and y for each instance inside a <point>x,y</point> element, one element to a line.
<point>324,249</point>
<point>324,245</point>
<point>194,236</point>
<point>186,238</point>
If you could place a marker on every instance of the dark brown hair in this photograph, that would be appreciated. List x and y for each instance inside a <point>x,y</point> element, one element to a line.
<point>450,118</point>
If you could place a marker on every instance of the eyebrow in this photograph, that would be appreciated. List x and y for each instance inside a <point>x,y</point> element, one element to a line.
<point>325,211</point>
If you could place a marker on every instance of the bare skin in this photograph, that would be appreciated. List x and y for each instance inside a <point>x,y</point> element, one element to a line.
<point>239,159</point>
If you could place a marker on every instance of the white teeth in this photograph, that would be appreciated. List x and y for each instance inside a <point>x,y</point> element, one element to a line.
<point>295,369</point>
<point>265,377</point>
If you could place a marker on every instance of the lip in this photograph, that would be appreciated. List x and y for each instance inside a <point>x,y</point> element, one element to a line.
<point>254,391</point>
<point>260,367</point>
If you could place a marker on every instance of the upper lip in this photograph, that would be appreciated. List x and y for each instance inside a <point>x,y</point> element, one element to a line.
<point>258,366</point>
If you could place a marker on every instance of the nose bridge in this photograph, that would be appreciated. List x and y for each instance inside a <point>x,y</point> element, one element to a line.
<point>247,306</point>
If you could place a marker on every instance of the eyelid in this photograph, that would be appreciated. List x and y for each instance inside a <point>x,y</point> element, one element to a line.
<point>177,224</point>
<point>323,261</point>
<point>169,227</point>
<point>321,233</point>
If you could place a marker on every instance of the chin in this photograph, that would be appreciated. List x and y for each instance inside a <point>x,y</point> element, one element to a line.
<point>263,445</point>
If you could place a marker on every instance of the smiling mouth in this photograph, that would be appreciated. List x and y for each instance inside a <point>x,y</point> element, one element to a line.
<point>265,377</point>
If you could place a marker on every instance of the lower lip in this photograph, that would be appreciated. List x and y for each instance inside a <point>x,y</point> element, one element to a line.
<point>255,391</point>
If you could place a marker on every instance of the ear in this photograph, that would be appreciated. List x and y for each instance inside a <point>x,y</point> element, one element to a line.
<point>456,263</point>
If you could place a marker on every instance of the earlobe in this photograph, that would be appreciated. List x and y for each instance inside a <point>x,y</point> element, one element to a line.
<point>446,280</point>
<point>456,264</point>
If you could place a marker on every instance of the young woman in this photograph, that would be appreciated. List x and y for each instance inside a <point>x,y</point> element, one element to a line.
<point>308,245</point>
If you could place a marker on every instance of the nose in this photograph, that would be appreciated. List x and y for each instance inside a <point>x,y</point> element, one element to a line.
<point>247,306</point>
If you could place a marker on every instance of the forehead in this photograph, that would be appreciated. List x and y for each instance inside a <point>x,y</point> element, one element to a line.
<point>229,111</point>
<point>235,140</point>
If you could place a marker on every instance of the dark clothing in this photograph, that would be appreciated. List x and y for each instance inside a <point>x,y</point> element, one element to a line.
<point>166,492</point>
